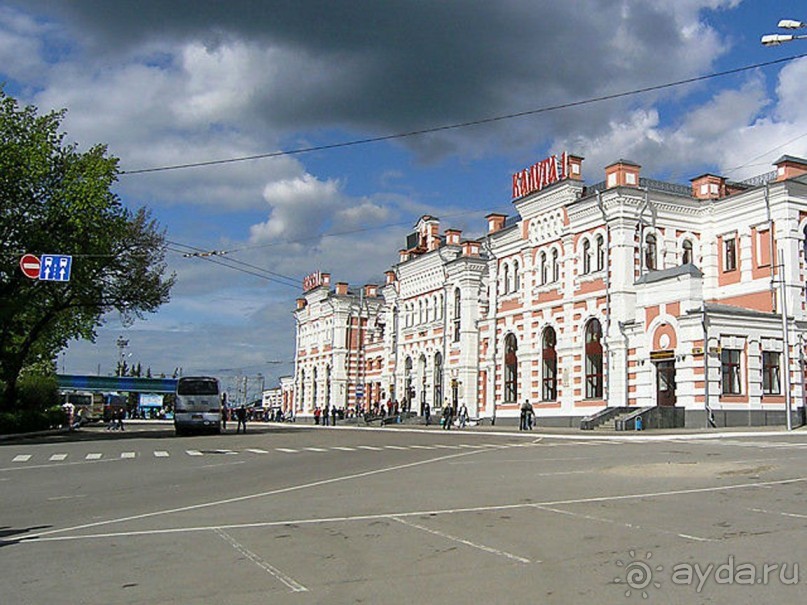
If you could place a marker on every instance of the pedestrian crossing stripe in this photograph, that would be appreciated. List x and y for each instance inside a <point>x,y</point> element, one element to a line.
<point>194,453</point>
<point>57,457</point>
<point>94,456</point>
<point>161,454</point>
<point>22,458</point>
<point>127,455</point>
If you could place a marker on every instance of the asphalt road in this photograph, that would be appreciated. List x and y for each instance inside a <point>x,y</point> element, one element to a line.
<point>321,515</point>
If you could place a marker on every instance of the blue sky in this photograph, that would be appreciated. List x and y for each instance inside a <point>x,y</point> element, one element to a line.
<point>174,82</point>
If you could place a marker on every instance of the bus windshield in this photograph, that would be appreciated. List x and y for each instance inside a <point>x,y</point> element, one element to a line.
<point>197,386</point>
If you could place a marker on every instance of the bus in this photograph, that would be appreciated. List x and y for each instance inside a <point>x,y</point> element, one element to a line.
<point>198,405</point>
<point>87,406</point>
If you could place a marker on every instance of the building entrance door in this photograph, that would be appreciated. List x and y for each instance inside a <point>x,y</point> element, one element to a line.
<point>665,382</point>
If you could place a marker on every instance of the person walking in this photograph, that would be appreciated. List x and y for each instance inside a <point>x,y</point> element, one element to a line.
<point>522,425</point>
<point>530,416</point>
<point>447,418</point>
<point>326,415</point>
<point>120,416</point>
<point>333,416</point>
<point>463,415</point>
<point>241,416</point>
<point>317,414</point>
<point>427,413</point>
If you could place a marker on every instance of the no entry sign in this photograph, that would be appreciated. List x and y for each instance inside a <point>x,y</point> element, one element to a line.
<point>30,266</point>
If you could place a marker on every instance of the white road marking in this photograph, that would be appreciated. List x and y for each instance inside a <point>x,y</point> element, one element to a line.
<point>488,549</point>
<point>127,455</point>
<point>22,458</point>
<point>257,451</point>
<point>161,454</point>
<point>66,497</point>
<point>781,513</point>
<point>293,585</point>
<point>274,492</point>
<point>421,447</point>
<point>631,526</point>
<point>94,456</point>
<point>48,536</point>
<point>287,450</point>
<point>344,448</point>
<point>194,453</point>
<point>57,457</point>
<point>395,447</point>
<point>315,449</point>
<point>370,447</point>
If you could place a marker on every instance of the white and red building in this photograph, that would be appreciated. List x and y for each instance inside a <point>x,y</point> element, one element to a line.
<point>590,299</point>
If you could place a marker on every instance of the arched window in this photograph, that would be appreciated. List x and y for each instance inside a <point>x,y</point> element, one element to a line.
<point>555,265</point>
<point>586,257</point>
<point>686,252</point>
<point>438,380</point>
<point>505,278</point>
<point>302,388</point>
<point>510,369</point>
<point>314,386</point>
<point>550,366</point>
<point>594,360</point>
<point>328,385</point>
<point>600,253</point>
<point>544,269</point>
<point>650,253</point>
<point>457,309</point>
<point>516,278</point>
<point>409,391</point>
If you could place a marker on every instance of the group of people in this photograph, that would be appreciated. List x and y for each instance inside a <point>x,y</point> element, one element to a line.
<point>241,415</point>
<point>447,419</point>
<point>527,418</point>
<point>327,416</point>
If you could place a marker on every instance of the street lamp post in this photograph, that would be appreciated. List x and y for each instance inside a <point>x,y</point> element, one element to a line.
<point>777,39</point>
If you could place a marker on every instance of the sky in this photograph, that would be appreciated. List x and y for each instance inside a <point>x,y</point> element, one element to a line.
<point>166,83</point>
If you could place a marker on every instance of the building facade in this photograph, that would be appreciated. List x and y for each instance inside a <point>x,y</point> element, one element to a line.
<point>629,293</point>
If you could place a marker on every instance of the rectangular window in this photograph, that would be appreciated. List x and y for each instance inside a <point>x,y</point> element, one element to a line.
<point>730,366</point>
<point>550,380</point>
<point>770,373</point>
<point>730,256</point>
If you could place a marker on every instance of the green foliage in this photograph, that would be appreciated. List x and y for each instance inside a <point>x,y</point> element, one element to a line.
<point>26,421</point>
<point>55,199</point>
<point>37,391</point>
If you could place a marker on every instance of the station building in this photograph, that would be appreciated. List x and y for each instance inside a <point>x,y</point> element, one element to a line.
<point>627,296</point>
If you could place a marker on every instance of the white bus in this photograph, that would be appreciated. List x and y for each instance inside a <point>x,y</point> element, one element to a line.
<point>198,405</point>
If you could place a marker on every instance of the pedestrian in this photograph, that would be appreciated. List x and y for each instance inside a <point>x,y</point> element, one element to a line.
<point>522,425</point>
<point>241,416</point>
<point>333,415</point>
<point>317,414</point>
<point>224,413</point>
<point>463,415</point>
<point>530,416</point>
<point>326,414</point>
<point>447,417</point>
<point>427,412</point>
<point>121,414</point>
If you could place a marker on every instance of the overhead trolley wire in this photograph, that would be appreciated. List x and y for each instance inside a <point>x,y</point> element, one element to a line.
<point>467,124</point>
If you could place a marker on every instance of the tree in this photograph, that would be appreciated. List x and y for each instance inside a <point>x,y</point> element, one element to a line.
<point>56,199</point>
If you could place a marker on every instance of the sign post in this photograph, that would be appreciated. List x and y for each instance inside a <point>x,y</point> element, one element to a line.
<point>29,264</point>
<point>55,267</point>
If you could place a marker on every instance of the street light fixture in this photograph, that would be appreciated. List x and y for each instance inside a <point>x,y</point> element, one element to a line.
<point>777,39</point>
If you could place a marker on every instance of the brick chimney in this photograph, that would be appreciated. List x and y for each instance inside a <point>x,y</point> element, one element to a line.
<point>495,221</point>
<point>371,290</point>
<point>300,303</point>
<point>390,277</point>
<point>453,237</point>
<point>574,167</point>
<point>709,187</point>
<point>341,288</point>
<point>403,255</point>
<point>788,167</point>
<point>326,279</point>
<point>470,248</point>
<point>622,174</point>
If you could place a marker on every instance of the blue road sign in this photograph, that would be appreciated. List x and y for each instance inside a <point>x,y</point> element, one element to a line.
<point>55,267</point>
